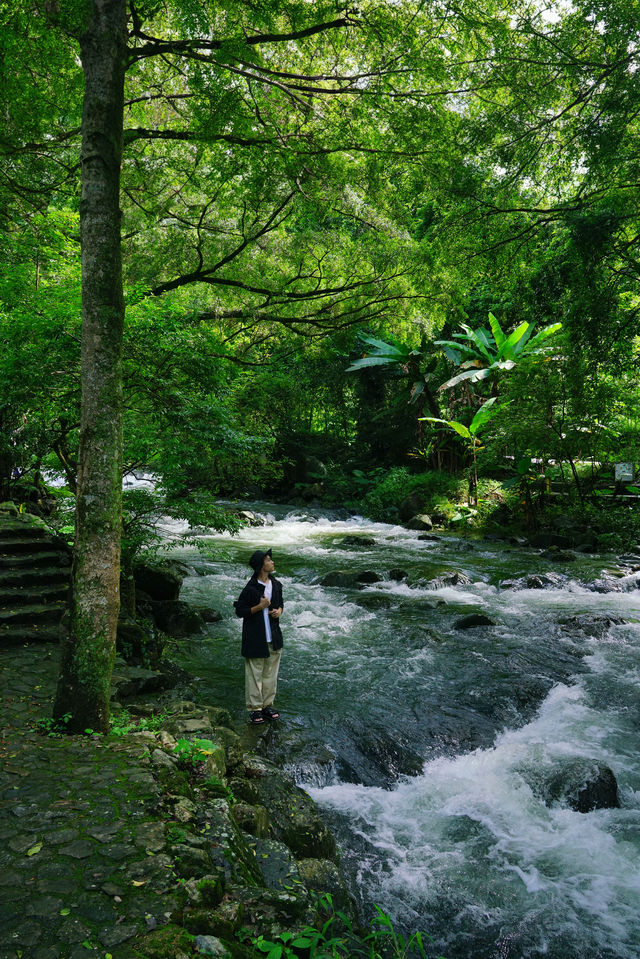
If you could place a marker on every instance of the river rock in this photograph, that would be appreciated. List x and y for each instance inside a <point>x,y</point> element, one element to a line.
<point>411,505</point>
<point>294,816</point>
<point>421,522</point>
<point>357,541</point>
<point>583,785</point>
<point>159,581</point>
<point>473,620</point>
<point>398,574</point>
<point>350,579</point>
<point>557,555</point>
<point>250,518</point>
<point>178,619</point>
<point>322,876</point>
<point>454,578</point>
<point>373,601</point>
<point>591,625</point>
<point>430,538</point>
<point>535,581</point>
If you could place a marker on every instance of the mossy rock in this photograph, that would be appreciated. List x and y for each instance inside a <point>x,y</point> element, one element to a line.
<point>294,816</point>
<point>165,943</point>
<point>323,876</point>
<point>232,745</point>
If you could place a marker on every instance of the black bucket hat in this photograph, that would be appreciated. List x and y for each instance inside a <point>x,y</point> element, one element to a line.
<point>257,559</point>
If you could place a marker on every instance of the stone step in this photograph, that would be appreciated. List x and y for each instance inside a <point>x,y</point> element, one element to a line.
<point>35,615</point>
<point>33,595</point>
<point>41,576</point>
<point>18,635</point>
<point>24,528</point>
<point>33,560</point>
<point>11,545</point>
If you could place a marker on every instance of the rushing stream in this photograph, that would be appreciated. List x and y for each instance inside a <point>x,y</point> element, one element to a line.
<point>427,746</point>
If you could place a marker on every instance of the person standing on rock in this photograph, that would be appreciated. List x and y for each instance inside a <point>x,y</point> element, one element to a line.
<point>260,608</point>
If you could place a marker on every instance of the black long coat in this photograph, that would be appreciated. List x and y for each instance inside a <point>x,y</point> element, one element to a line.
<point>254,636</point>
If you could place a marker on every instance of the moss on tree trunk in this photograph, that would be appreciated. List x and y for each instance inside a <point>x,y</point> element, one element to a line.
<point>89,650</point>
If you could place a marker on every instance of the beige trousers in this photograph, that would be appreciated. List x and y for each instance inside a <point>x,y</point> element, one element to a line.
<point>261,680</point>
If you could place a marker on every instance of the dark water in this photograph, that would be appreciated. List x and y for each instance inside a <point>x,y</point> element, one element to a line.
<point>423,743</point>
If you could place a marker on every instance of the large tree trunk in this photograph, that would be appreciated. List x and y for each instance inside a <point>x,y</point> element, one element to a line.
<point>89,650</point>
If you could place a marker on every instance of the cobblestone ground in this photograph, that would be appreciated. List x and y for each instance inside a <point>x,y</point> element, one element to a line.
<point>83,862</point>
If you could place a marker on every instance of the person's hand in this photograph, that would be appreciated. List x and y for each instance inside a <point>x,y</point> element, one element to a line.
<point>275,613</point>
<point>264,603</point>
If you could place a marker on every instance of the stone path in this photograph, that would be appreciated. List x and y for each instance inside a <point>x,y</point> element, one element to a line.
<point>84,865</point>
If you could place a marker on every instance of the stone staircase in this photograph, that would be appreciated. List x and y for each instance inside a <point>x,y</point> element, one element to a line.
<point>35,570</point>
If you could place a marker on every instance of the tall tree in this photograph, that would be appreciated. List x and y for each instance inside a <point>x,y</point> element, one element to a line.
<point>89,650</point>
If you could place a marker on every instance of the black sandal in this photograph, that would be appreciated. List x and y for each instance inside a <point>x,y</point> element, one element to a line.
<point>270,713</point>
<point>256,717</point>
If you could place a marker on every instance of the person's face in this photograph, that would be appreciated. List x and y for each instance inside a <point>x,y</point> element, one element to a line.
<point>268,565</point>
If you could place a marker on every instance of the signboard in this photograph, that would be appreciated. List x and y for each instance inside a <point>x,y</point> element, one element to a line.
<point>624,472</point>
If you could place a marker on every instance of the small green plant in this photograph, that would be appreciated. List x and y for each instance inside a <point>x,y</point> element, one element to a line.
<point>53,727</point>
<point>123,723</point>
<point>191,752</point>
<point>382,941</point>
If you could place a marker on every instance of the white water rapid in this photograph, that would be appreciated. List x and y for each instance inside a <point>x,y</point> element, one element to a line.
<point>428,746</point>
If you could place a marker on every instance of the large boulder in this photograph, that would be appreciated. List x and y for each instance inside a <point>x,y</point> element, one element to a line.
<point>357,541</point>
<point>421,522</point>
<point>350,579</point>
<point>583,785</point>
<point>294,817</point>
<point>411,505</point>
<point>178,619</point>
<point>159,581</point>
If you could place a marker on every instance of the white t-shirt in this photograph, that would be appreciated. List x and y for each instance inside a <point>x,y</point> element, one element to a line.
<point>268,592</point>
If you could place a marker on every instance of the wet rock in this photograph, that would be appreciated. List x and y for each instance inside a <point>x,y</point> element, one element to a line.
<point>411,505</point>
<point>583,785</point>
<point>232,745</point>
<point>208,614</point>
<point>345,578</point>
<point>294,816</point>
<point>398,574</point>
<point>250,518</point>
<point>368,576</point>
<point>536,581</point>
<point>430,538</point>
<point>323,876</point>
<point>252,819</point>
<point>473,620</point>
<point>276,864</point>
<point>375,757</point>
<point>159,581</point>
<point>557,555</point>
<point>591,625</point>
<point>373,601</point>
<point>357,541</point>
<point>453,578</point>
<point>177,618</point>
<point>421,522</point>
<point>129,681</point>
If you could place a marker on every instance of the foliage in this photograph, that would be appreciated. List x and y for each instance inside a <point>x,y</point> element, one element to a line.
<point>191,752</point>
<point>123,723</point>
<point>335,939</point>
<point>483,353</point>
